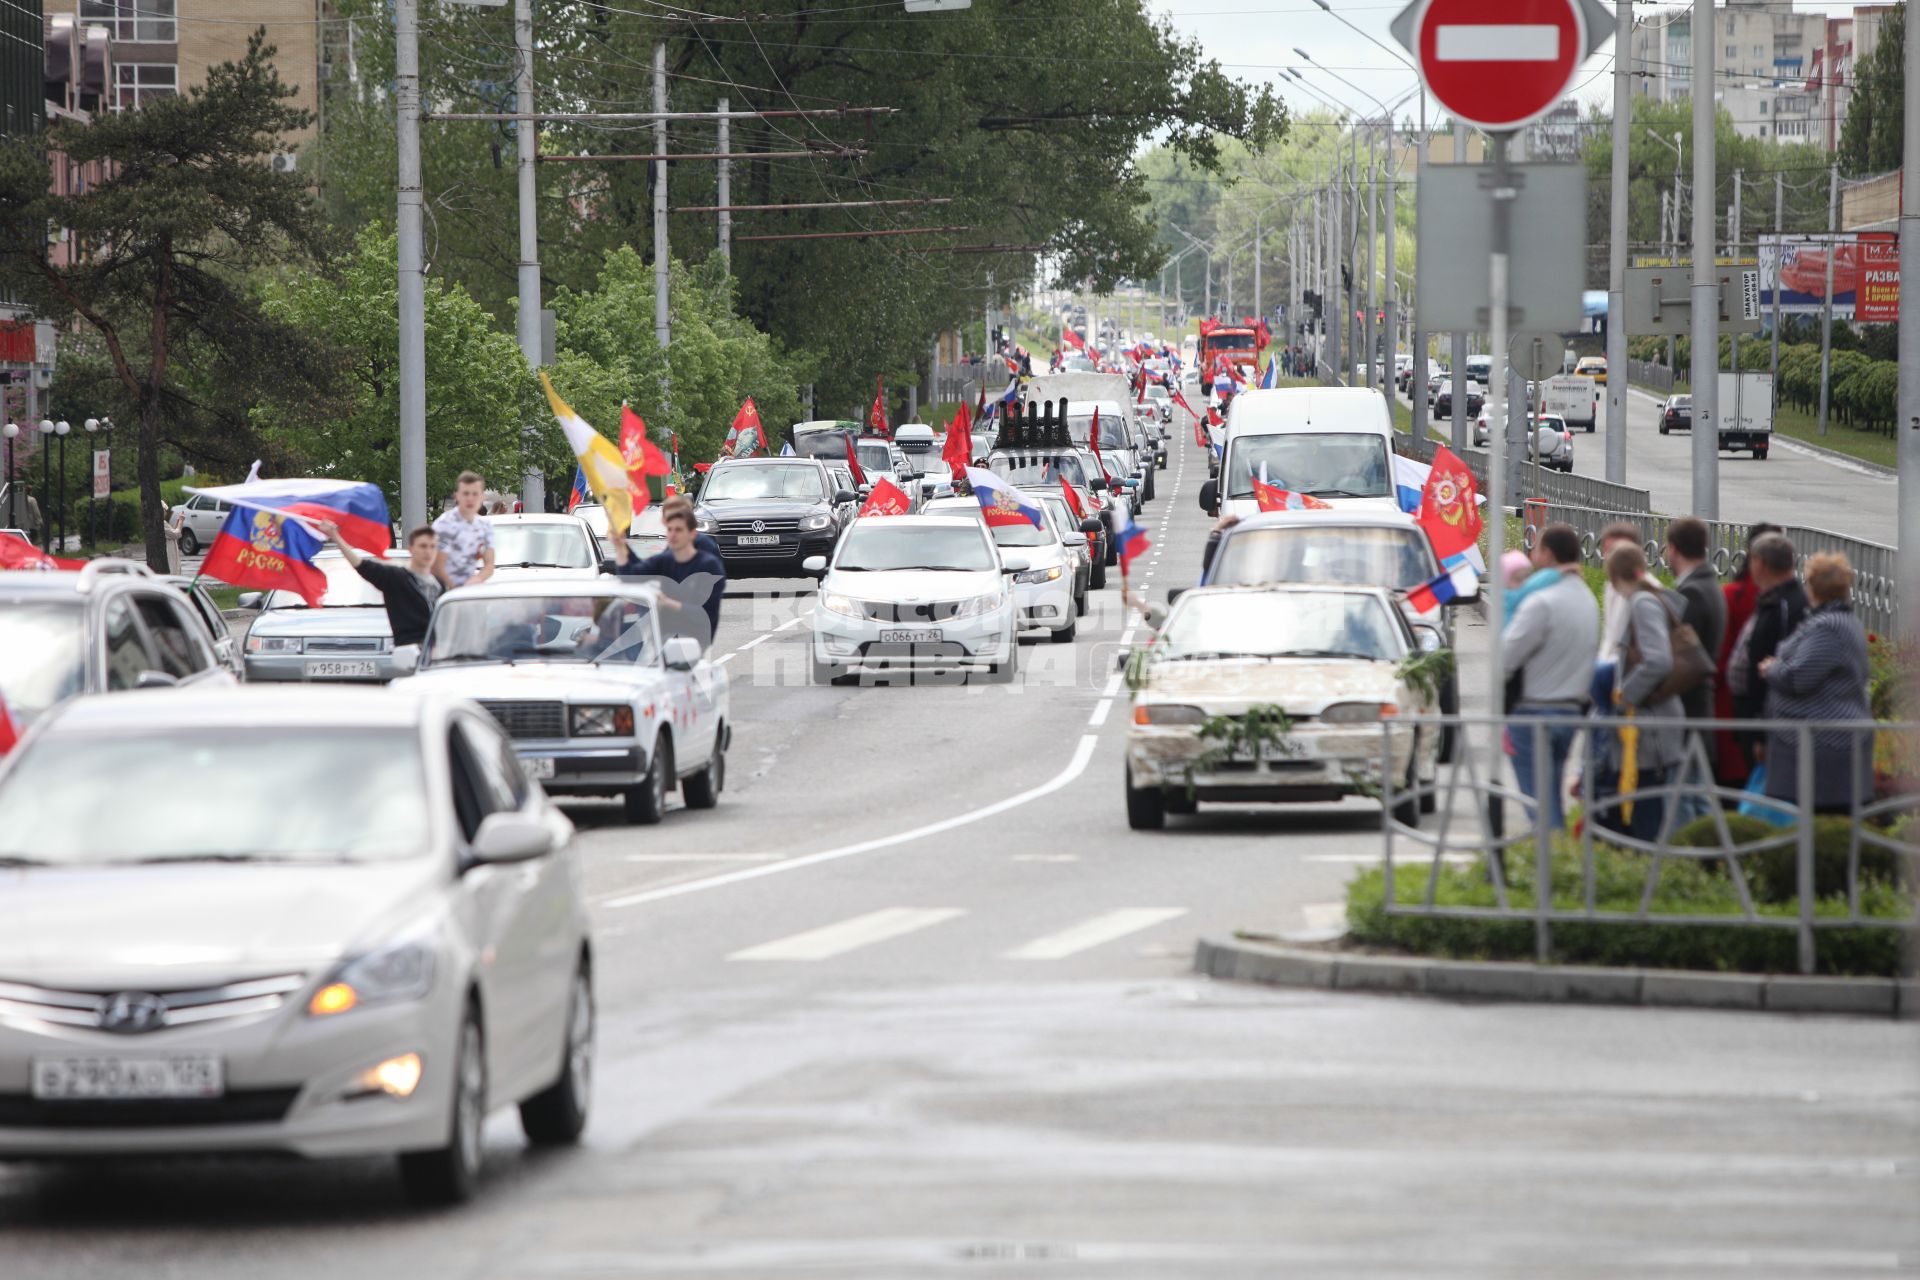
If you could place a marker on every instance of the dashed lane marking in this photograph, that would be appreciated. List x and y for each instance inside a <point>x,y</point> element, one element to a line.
<point>850,935</point>
<point>1094,932</point>
<point>1099,716</point>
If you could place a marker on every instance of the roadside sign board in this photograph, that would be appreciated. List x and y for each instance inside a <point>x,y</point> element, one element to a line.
<point>102,473</point>
<point>1535,356</point>
<point>1499,64</point>
<point>1660,301</point>
<point>1877,301</point>
<point>1547,277</point>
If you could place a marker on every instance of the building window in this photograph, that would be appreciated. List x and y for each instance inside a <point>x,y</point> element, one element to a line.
<point>1732,52</point>
<point>136,83</point>
<point>150,21</point>
<point>1763,106</point>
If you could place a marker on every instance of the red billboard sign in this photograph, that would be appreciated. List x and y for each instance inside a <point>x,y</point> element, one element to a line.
<point>1878,299</point>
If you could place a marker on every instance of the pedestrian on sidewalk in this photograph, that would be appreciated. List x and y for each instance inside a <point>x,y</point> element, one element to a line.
<point>1820,673</point>
<point>1704,608</point>
<point>1778,610</point>
<point>407,590</point>
<point>465,539</point>
<point>1641,759</point>
<point>23,513</point>
<point>1551,644</point>
<point>1741,594</point>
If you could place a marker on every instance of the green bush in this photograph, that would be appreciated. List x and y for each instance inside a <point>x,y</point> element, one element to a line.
<point>1773,875</point>
<point>1684,887</point>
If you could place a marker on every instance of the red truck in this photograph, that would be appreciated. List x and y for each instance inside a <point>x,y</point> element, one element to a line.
<point>1238,344</point>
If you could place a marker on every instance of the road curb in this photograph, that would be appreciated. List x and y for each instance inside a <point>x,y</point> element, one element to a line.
<point>1245,961</point>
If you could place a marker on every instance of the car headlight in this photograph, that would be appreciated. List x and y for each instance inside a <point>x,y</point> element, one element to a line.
<point>704,523</point>
<point>1168,713</point>
<point>1038,575</point>
<point>1357,712</point>
<point>815,522</point>
<point>601,721</point>
<point>843,605</point>
<point>400,972</point>
<point>274,644</point>
<point>978,605</point>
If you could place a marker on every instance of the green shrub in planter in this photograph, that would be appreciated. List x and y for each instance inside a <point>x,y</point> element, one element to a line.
<point>1773,875</point>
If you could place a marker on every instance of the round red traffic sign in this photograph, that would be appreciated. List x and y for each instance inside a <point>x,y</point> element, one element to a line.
<point>1497,64</point>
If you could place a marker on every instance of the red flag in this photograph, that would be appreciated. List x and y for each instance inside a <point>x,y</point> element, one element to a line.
<point>1271,498</point>
<point>958,449</point>
<point>886,499</point>
<point>1182,401</point>
<point>17,553</point>
<point>1093,439</point>
<point>1449,508</point>
<point>746,434</point>
<point>877,416</point>
<point>853,460</point>
<point>1073,340</point>
<point>1073,499</point>
<point>8,734</point>
<point>642,456</point>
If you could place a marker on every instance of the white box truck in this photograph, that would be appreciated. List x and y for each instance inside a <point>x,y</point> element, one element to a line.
<point>1745,411</point>
<point>1574,398</point>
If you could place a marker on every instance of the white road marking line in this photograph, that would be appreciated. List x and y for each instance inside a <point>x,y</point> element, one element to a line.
<point>1092,933</point>
<point>1046,857</point>
<point>1099,716</point>
<point>1497,42</point>
<point>723,661</point>
<point>794,621</point>
<point>849,935</point>
<point>1066,777</point>
<point>1113,685</point>
<point>702,857</point>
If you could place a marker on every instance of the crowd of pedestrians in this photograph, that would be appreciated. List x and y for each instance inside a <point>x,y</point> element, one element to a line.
<point>1768,645</point>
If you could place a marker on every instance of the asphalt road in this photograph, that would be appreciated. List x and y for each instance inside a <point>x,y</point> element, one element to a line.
<point>914,1000</point>
<point>1794,486</point>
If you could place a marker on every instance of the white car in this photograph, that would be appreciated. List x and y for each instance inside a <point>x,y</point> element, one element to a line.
<point>545,546</point>
<point>1043,591</point>
<point>375,937</point>
<point>1328,657</point>
<point>598,700</point>
<point>646,535</point>
<point>923,592</point>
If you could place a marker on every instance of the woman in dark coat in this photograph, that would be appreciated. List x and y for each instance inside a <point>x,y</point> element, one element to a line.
<point>1820,673</point>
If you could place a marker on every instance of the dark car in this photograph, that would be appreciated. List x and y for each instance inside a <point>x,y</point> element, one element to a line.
<point>1676,414</point>
<point>1443,402</point>
<point>769,514</point>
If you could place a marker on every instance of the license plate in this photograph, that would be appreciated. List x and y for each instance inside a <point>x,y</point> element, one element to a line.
<point>926,636</point>
<point>364,668</point>
<point>174,1075</point>
<point>539,768</point>
<point>759,539</point>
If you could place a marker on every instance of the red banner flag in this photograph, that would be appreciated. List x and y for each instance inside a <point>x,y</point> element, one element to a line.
<point>1270,498</point>
<point>1449,509</point>
<point>1073,499</point>
<point>642,456</point>
<point>958,449</point>
<point>877,416</point>
<point>853,459</point>
<point>887,499</point>
<point>17,553</point>
<point>746,434</point>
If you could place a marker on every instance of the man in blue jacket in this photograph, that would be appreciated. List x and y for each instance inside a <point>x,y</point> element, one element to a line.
<point>690,573</point>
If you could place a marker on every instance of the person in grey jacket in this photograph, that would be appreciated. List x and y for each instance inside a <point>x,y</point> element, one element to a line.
<point>1646,660</point>
<point>1820,673</point>
<point>1550,643</point>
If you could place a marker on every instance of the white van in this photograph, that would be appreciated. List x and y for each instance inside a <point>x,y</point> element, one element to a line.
<point>1332,443</point>
<point>1574,397</point>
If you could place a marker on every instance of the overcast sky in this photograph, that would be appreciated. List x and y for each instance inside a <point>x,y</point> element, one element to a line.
<point>1255,39</point>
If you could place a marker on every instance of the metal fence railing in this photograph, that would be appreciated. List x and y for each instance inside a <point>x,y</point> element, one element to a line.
<point>1880,826</point>
<point>960,382</point>
<point>1876,586</point>
<point>1649,374</point>
<point>1540,482</point>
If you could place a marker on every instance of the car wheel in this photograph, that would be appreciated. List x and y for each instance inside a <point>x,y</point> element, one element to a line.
<point>1065,634</point>
<point>1004,672</point>
<point>556,1116</point>
<point>1146,807</point>
<point>702,790</point>
<point>1149,486</point>
<point>1663,428</point>
<point>1112,555</point>
<point>1759,455</point>
<point>1098,578</point>
<point>1179,801</point>
<point>646,804</point>
<point>1407,812</point>
<point>448,1175</point>
<point>189,542</point>
<point>1590,428</point>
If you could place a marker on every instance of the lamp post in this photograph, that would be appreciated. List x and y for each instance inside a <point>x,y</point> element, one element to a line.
<point>46,481</point>
<point>103,426</point>
<point>61,428</point>
<point>7,433</point>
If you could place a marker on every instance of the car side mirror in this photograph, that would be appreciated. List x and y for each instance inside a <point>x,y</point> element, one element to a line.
<point>1015,564</point>
<point>1156,616</point>
<point>1090,525</point>
<point>251,599</point>
<point>511,837</point>
<point>1074,539</point>
<point>865,489</point>
<point>814,566</point>
<point>1097,483</point>
<point>1210,497</point>
<point>1428,639</point>
<point>1174,593</point>
<point>680,653</point>
<point>844,496</point>
<point>406,659</point>
<point>609,565</point>
<point>155,680</point>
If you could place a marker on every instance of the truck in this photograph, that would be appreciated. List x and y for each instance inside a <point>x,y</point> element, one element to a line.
<point>1744,409</point>
<point>1573,397</point>
<point>1237,344</point>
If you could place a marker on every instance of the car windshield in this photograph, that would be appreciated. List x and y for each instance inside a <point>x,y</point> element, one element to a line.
<point>1113,427</point>
<point>1330,465</point>
<point>541,544</point>
<point>1157,392</point>
<point>746,484</point>
<point>934,468</point>
<point>346,589</point>
<point>541,629</point>
<point>1230,342</point>
<point>1061,515</point>
<point>1360,557</point>
<point>42,665</point>
<point>877,544</point>
<point>1041,471</point>
<point>1023,533</point>
<point>872,457</point>
<point>1280,624</point>
<point>360,796</point>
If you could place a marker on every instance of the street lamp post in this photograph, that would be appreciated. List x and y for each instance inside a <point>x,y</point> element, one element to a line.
<point>8,432</point>
<point>103,426</point>
<point>46,481</point>
<point>61,428</point>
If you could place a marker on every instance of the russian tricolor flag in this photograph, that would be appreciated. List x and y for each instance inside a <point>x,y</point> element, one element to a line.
<point>1132,541</point>
<point>268,541</point>
<point>1451,585</point>
<point>1002,503</point>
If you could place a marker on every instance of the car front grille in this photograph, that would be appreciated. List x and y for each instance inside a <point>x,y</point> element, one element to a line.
<point>529,719</point>
<point>237,1106</point>
<point>771,524</point>
<point>345,644</point>
<point>887,611</point>
<point>175,1008</point>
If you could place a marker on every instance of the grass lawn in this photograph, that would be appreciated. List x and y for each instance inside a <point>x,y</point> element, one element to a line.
<point>1796,424</point>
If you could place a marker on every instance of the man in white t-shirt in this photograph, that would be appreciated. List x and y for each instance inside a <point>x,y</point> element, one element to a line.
<point>466,540</point>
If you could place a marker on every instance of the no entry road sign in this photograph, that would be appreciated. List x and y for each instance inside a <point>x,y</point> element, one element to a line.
<point>1497,64</point>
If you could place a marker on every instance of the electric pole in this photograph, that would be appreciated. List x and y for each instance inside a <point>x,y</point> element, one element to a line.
<point>1617,249</point>
<point>412,267</point>
<point>1706,279</point>
<point>533,485</point>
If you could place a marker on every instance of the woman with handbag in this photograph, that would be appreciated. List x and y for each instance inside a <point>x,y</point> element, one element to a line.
<point>1643,759</point>
<point>1820,672</point>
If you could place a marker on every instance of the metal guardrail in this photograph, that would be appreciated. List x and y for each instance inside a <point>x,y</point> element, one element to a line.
<point>1470,791</point>
<point>961,382</point>
<point>1650,374</point>
<point>1540,482</point>
<point>1876,586</point>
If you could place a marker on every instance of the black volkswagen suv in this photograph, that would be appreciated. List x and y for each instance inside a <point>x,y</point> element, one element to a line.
<point>769,514</point>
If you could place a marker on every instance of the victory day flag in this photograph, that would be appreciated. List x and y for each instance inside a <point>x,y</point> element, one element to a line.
<point>601,465</point>
<point>1271,498</point>
<point>268,541</point>
<point>1072,339</point>
<point>1073,499</point>
<point>642,455</point>
<point>1451,585</point>
<point>1002,503</point>
<point>853,459</point>
<point>957,450</point>
<point>17,553</point>
<point>746,436</point>
<point>877,416</point>
<point>1448,509</point>
<point>886,499</point>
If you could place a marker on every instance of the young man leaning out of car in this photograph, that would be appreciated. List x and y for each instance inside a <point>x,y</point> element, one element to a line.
<point>690,573</point>
<point>408,590</point>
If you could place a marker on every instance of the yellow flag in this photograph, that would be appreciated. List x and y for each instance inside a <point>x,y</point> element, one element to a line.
<point>600,461</point>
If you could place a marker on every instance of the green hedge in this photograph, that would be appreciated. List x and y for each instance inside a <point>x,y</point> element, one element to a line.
<point>1684,887</point>
<point>1864,392</point>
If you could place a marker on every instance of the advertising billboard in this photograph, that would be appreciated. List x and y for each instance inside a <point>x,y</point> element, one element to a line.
<point>1866,275</point>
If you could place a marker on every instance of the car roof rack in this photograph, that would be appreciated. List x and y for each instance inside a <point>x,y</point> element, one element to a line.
<point>1036,425</point>
<point>112,565</point>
